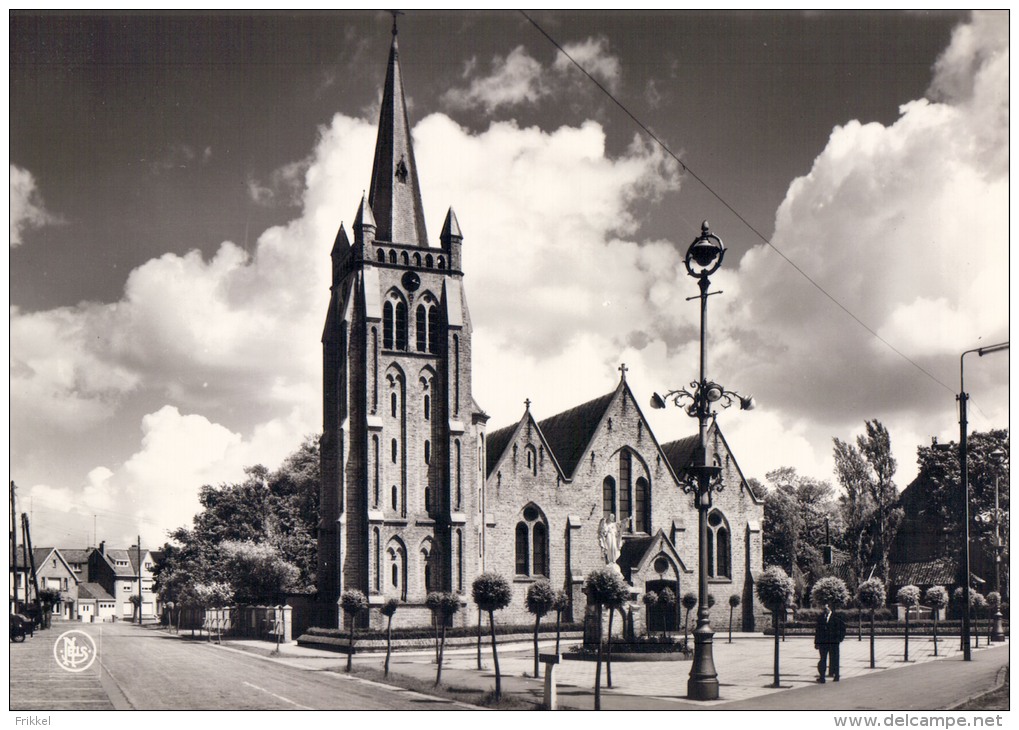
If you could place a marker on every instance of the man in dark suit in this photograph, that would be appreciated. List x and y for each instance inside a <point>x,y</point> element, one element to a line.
<point>828,634</point>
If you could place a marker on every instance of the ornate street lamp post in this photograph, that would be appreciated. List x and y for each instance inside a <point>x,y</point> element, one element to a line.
<point>964,470</point>
<point>701,479</point>
<point>998,630</point>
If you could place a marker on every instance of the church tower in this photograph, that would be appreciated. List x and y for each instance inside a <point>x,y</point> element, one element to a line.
<point>402,448</point>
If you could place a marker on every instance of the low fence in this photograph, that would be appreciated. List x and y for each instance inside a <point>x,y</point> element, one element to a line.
<point>270,623</point>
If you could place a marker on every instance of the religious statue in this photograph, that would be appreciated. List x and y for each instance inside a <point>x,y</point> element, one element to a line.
<point>610,538</point>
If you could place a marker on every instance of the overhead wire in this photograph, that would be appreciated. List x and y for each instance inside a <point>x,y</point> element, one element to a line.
<point>731,208</point>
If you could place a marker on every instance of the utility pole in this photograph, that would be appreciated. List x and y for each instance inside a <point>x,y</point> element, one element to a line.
<point>14,548</point>
<point>30,559</point>
<point>139,580</point>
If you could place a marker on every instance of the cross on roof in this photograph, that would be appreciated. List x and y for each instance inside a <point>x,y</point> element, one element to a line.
<point>395,13</point>
<point>527,403</point>
<point>622,368</point>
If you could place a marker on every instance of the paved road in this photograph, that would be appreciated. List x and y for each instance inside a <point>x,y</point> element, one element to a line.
<point>146,669</point>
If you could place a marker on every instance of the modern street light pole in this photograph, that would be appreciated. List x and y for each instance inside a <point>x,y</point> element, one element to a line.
<point>702,259</point>
<point>967,654</point>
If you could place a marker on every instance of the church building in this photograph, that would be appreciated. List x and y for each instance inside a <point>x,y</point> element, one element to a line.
<point>416,496</point>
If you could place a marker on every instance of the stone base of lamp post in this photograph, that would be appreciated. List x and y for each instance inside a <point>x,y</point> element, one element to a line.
<point>703,682</point>
<point>997,628</point>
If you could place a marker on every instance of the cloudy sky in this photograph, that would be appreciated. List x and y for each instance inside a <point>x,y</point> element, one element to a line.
<point>176,184</point>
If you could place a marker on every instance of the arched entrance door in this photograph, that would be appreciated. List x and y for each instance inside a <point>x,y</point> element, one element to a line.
<point>663,618</point>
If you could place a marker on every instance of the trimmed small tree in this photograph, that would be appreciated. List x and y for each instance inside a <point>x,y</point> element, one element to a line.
<point>604,587</point>
<point>434,603</point>
<point>831,591</point>
<point>540,599</point>
<point>136,607</point>
<point>388,610</point>
<point>650,600</point>
<point>562,603</point>
<point>449,604</point>
<point>908,596</point>
<point>353,602</point>
<point>937,598</point>
<point>957,598</point>
<point>491,593</point>
<point>733,604</point>
<point>615,604</point>
<point>993,604</point>
<point>50,597</point>
<point>775,589</point>
<point>979,604</point>
<point>871,595</point>
<point>689,603</point>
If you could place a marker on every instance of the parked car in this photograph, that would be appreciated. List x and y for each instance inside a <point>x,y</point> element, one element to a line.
<point>21,626</point>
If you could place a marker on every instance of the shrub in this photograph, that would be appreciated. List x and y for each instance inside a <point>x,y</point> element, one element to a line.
<point>775,588</point>
<point>871,594</point>
<point>830,590</point>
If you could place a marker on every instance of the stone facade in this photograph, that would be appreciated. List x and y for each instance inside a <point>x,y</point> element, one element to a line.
<point>557,479</point>
<point>416,497</point>
<point>402,472</point>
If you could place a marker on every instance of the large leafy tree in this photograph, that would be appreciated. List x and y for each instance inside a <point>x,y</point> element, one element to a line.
<point>938,502</point>
<point>855,507</point>
<point>277,509</point>
<point>799,514</point>
<point>876,447</point>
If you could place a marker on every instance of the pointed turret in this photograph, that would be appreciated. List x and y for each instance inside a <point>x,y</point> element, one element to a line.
<point>341,248</point>
<point>451,238</point>
<point>364,223</point>
<point>395,195</point>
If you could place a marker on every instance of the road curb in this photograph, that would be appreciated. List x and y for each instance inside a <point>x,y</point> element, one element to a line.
<point>999,681</point>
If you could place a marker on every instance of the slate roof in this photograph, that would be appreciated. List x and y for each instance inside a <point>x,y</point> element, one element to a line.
<point>93,590</point>
<point>115,554</point>
<point>568,433</point>
<point>680,453</point>
<point>75,555</point>
<point>496,444</point>
<point>939,572</point>
<point>39,556</point>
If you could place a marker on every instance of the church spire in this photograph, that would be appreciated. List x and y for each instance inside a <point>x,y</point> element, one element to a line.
<point>395,194</point>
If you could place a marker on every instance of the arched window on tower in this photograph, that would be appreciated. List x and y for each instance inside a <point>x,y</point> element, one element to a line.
<point>388,325</point>
<point>381,256</point>
<point>421,328</point>
<point>401,326</point>
<point>719,547</point>
<point>434,330</point>
<point>428,407</point>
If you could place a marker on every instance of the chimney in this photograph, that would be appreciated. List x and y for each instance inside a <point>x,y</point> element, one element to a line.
<point>102,548</point>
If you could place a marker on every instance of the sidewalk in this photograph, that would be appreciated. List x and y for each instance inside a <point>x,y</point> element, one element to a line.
<point>744,671</point>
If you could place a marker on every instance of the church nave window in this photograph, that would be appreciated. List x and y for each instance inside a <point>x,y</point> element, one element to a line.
<point>719,549</point>
<point>642,508</point>
<point>608,491</point>
<point>532,543</point>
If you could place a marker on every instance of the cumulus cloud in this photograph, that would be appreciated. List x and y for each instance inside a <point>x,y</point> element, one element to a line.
<point>27,208</point>
<point>907,226</point>
<point>519,78</point>
<point>515,79</point>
